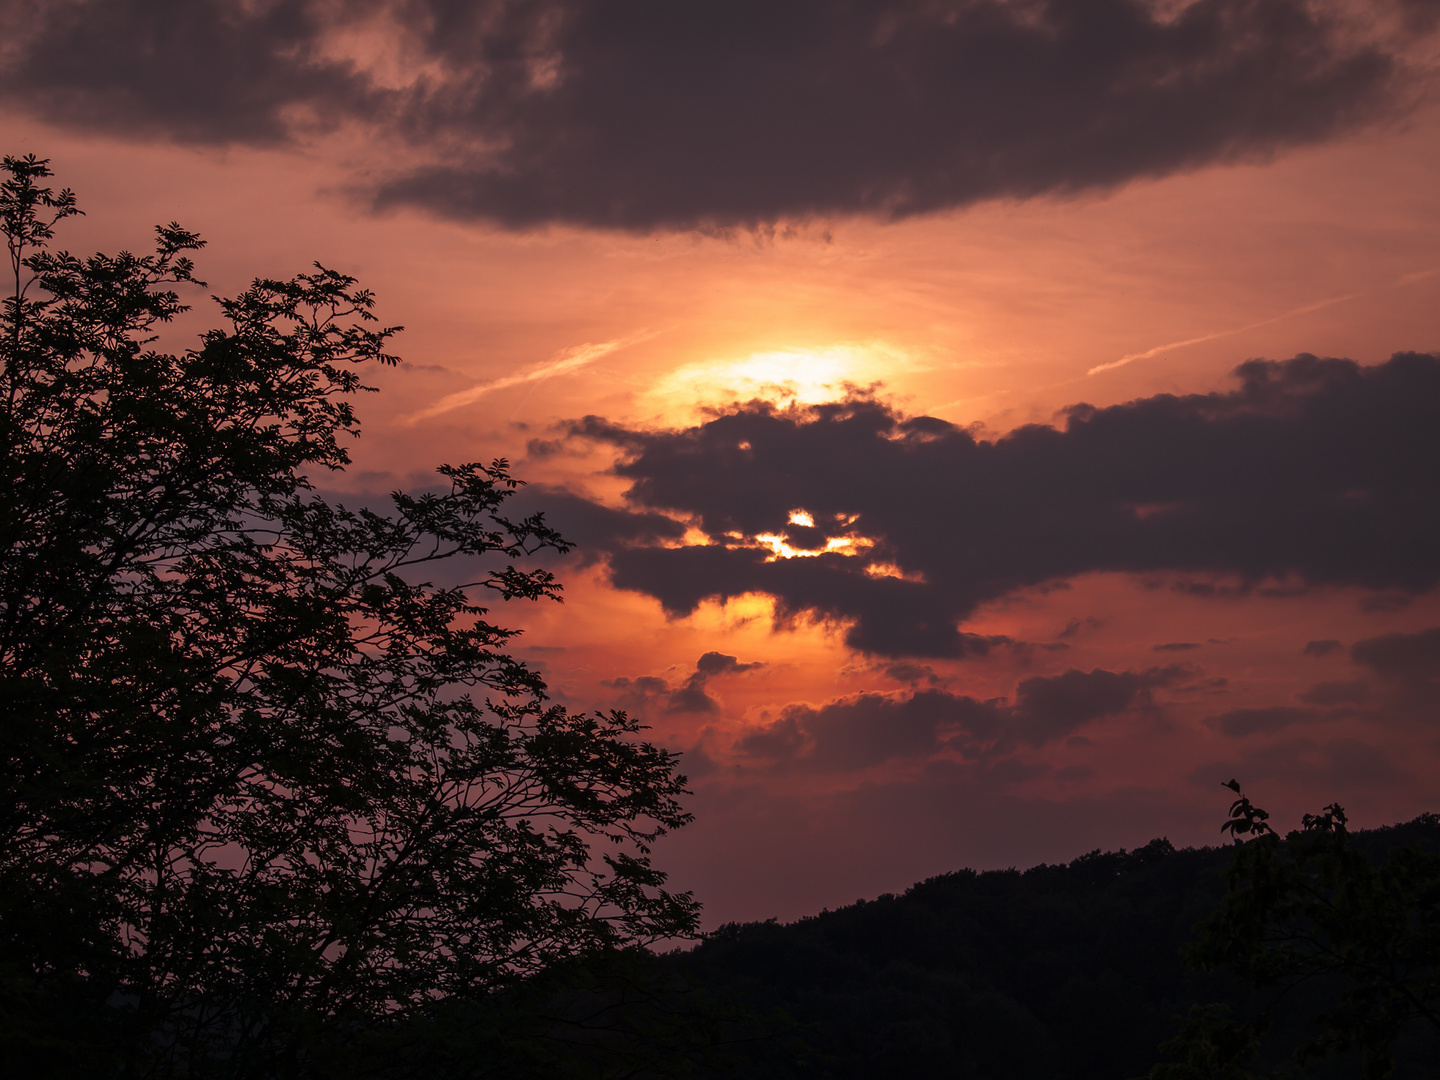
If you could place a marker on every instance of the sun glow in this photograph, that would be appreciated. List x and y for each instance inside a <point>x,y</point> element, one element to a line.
<point>784,376</point>
<point>842,545</point>
<point>890,570</point>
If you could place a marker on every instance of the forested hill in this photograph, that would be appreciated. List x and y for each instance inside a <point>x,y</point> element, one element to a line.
<point>1066,972</point>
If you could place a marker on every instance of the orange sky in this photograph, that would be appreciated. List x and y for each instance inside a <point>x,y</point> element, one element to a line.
<point>990,314</point>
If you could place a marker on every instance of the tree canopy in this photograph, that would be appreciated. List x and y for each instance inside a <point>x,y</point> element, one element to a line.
<point>258,772</point>
<point>1314,910</point>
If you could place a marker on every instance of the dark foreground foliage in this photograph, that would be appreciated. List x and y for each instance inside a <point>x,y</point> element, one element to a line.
<point>1318,913</point>
<point>274,792</point>
<point>1070,972</point>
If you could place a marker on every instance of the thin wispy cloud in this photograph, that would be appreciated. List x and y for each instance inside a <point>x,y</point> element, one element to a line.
<point>1411,279</point>
<point>1168,346</point>
<point>1407,279</point>
<point>564,362</point>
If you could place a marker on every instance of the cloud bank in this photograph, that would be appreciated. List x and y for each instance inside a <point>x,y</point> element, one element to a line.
<point>867,729</point>
<point>1312,473</point>
<point>653,115</point>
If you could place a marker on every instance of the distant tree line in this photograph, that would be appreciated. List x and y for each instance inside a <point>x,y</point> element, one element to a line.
<point>1314,956</point>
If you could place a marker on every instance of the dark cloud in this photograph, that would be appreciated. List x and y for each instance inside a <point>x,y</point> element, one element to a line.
<point>865,730</point>
<point>1177,646</point>
<point>856,732</point>
<point>1408,667</point>
<point>648,685</point>
<point>1048,708</point>
<point>690,696</point>
<point>905,671</point>
<point>1404,688</point>
<point>591,527</point>
<point>203,71</point>
<point>741,112</point>
<point>1327,647</point>
<point>1241,722</point>
<point>1312,473</point>
<point>654,114</point>
<point>1409,657</point>
<point>718,663</point>
<point>641,694</point>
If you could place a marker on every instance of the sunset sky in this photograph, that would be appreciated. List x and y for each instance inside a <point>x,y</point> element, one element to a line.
<point>986,426</point>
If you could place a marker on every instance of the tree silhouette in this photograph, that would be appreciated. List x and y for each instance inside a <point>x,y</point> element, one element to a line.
<point>261,777</point>
<point>1312,910</point>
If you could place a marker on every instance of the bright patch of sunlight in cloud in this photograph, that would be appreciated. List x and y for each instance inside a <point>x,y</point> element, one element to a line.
<point>784,376</point>
<point>780,549</point>
<point>890,570</point>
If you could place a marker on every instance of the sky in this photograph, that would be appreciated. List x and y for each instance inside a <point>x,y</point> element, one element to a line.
<point>985,427</point>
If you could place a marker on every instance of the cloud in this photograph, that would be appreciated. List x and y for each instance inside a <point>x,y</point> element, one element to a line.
<point>1314,473</point>
<point>1048,708</point>
<point>641,694</point>
<point>639,690</point>
<point>1304,309</point>
<point>717,663</point>
<point>906,671</point>
<point>1407,688</point>
<point>593,527</point>
<point>564,362</point>
<point>1407,657</point>
<point>1408,666</point>
<point>195,71</point>
<point>1322,648</point>
<point>690,696</point>
<point>1241,722</point>
<point>868,729</point>
<point>660,115</point>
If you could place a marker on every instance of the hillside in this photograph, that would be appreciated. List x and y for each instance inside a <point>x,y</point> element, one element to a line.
<point>1064,972</point>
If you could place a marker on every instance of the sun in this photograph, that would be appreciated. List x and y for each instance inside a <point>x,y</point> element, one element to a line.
<point>804,376</point>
